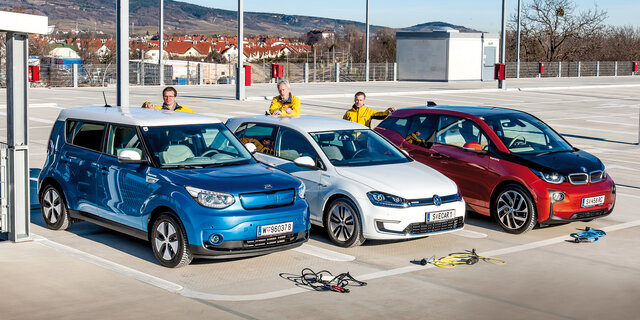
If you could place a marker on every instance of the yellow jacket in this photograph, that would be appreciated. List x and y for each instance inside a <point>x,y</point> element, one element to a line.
<point>363,115</point>
<point>294,104</point>
<point>178,108</point>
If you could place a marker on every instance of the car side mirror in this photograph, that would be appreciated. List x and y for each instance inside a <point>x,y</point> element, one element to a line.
<point>130,156</point>
<point>305,161</point>
<point>251,147</point>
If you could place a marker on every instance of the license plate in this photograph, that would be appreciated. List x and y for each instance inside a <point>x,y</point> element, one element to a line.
<point>592,201</point>
<point>441,215</point>
<point>278,228</point>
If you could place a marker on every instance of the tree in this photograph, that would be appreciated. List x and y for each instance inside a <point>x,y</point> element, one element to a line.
<point>557,30</point>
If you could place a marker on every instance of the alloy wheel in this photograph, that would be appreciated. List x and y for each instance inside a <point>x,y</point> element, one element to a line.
<point>166,240</point>
<point>512,209</point>
<point>341,222</point>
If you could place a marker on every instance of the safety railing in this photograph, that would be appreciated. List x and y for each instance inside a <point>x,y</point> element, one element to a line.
<point>3,187</point>
<point>564,69</point>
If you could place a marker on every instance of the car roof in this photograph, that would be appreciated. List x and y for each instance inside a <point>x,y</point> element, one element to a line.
<point>135,116</point>
<point>472,110</point>
<point>304,123</point>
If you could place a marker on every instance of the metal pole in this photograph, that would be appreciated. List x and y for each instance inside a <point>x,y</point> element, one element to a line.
<point>501,84</point>
<point>366,58</point>
<point>17,138</point>
<point>122,52</point>
<point>240,93</point>
<point>518,43</point>
<point>160,43</point>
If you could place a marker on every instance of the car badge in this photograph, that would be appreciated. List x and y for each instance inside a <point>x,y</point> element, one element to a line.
<point>583,169</point>
<point>267,186</point>
<point>437,200</point>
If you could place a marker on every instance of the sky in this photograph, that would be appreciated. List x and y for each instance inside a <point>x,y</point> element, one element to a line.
<point>481,15</point>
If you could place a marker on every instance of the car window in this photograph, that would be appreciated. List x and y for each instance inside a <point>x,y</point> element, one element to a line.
<point>261,135</point>
<point>70,128</point>
<point>357,148</point>
<point>421,129</point>
<point>291,145</point>
<point>460,132</point>
<point>523,133</point>
<point>399,125</point>
<point>89,135</point>
<point>124,138</point>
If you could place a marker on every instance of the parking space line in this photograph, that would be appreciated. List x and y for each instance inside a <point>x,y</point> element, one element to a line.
<point>628,195</point>
<point>323,253</point>
<point>469,234</point>
<point>186,292</point>
<point>616,123</point>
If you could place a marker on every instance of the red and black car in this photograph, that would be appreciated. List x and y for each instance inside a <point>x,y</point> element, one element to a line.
<point>507,163</point>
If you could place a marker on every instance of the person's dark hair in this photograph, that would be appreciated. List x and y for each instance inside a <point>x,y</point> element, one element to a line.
<point>175,92</point>
<point>360,93</point>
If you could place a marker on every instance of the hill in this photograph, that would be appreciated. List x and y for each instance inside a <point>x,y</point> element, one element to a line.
<point>183,18</point>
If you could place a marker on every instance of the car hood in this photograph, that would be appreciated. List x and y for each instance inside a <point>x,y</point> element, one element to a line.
<point>563,163</point>
<point>234,179</point>
<point>410,180</point>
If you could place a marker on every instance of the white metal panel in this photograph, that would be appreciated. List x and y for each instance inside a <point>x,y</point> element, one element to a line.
<point>23,23</point>
<point>465,59</point>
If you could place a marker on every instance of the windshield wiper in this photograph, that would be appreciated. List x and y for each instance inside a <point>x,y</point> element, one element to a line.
<point>222,164</point>
<point>183,166</point>
<point>552,151</point>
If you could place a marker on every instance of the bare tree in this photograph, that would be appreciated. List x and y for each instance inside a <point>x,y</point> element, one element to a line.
<point>558,30</point>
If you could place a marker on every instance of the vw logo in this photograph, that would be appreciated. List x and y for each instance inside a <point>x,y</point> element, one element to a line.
<point>436,200</point>
<point>267,186</point>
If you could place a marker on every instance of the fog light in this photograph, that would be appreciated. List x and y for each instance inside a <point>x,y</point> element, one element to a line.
<point>215,239</point>
<point>556,196</point>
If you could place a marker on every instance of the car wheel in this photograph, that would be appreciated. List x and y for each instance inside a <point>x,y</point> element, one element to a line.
<point>514,210</point>
<point>342,223</point>
<point>54,209</point>
<point>169,242</point>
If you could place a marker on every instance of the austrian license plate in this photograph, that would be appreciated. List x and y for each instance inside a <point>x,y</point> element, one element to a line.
<point>592,201</point>
<point>441,215</point>
<point>278,228</point>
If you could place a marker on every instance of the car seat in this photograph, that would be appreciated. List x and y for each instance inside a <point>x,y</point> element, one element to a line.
<point>175,153</point>
<point>332,152</point>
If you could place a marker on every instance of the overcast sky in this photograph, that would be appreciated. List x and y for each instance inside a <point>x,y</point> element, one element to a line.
<point>482,15</point>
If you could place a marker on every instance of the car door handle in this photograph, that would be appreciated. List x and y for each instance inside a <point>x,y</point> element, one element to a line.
<point>436,155</point>
<point>104,170</point>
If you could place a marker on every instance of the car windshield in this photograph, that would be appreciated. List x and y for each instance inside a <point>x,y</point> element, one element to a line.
<point>524,134</point>
<point>357,148</point>
<point>195,146</point>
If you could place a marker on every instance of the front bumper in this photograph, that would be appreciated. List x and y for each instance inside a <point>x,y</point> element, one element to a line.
<point>250,247</point>
<point>402,223</point>
<point>570,209</point>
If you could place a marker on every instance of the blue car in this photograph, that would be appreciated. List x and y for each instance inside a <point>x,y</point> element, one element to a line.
<point>181,181</point>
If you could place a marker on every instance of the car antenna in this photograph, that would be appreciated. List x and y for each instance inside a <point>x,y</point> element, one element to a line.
<point>106,105</point>
<point>431,104</point>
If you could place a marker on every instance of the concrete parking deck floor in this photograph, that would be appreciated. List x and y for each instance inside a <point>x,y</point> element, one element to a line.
<point>92,272</point>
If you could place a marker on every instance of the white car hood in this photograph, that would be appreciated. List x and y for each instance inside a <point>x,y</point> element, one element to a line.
<point>410,180</point>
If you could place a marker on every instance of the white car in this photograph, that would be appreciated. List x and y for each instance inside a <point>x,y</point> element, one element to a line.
<point>359,185</point>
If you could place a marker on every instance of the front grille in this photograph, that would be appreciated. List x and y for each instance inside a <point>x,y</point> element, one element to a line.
<point>269,241</point>
<point>267,199</point>
<point>428,227</point>
<point>588,214</point>
<point>595,176</point>
<point>578,178</point>
<point>429,201</point>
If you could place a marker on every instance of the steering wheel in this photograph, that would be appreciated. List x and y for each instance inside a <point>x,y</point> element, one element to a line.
<point>517,139</point>
<point>359,153</point>
<point>208,152</point>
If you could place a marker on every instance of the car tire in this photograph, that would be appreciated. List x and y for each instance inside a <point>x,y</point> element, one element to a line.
<point>514,210</point>
<point>54,209</point>
<point>342,223</point>
<point>169,242</point>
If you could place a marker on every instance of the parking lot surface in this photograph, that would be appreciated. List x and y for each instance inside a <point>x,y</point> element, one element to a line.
<point>90,271</point>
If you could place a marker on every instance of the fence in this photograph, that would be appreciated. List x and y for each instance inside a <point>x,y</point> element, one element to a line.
<point>4,205</point>
<point>193,73</point>
<point>571,69</point>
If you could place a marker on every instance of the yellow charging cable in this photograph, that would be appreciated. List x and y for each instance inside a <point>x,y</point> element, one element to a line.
<point>454,259</point>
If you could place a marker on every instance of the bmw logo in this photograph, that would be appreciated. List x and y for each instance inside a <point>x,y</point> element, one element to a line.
<point>436,200</point>
<point>583,169</point>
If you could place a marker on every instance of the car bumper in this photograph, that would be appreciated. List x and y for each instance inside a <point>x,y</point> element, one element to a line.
<point>251,247</point>
<point>402,223</point>
<point>571,208</point>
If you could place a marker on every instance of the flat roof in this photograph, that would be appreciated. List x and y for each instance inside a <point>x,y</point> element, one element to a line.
<point>305,123</point>
<point>135,116</point>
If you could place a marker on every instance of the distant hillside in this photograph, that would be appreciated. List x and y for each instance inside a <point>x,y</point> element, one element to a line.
<point>182,18</point>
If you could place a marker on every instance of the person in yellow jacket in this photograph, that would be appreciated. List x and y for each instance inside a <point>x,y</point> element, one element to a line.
<point>169,95</point>
<point>363,115</point>
<point>285,104</point>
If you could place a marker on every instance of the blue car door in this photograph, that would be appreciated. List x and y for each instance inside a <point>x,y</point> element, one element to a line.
<point>79,164</point>
<point>122,187</point>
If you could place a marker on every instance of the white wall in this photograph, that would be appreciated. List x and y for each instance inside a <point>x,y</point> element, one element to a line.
<point>465,59</point>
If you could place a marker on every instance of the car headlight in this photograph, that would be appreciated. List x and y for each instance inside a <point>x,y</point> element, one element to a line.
<point>301,190</point>
<point>549,177</point>
<point>387,200</point>
<point>211,199</point>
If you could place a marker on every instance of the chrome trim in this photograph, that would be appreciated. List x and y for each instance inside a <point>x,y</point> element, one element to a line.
<point>599,174</point>
<point>430,201</point>
<point>584,178</point>
<point>576,175</point>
